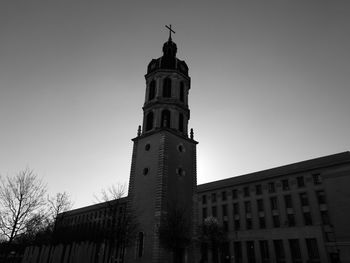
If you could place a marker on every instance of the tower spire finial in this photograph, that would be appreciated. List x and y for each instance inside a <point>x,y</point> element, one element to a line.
<point>170,31</point>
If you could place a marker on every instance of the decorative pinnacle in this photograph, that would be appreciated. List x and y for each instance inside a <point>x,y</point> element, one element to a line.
<point>139,131</point>
<point>170,31</point>
<point>191,134</point>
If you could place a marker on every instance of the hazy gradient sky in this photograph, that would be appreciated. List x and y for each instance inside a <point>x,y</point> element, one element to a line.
<point>270,84</point>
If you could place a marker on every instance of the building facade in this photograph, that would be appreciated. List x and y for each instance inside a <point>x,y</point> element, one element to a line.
<point>290,214</point>
<point>296,213</point>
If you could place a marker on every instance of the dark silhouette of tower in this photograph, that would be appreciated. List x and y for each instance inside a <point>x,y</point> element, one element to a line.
<point>163,168</point>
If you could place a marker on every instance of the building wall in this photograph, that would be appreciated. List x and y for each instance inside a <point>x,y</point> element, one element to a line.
<point>90,222</point>
<point>310,213</point>
<point>170,181</point>
<point>338,199</point>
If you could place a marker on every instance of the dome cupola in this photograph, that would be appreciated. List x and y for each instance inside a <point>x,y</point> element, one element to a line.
<point>169,60</point>
<point>169,49</point>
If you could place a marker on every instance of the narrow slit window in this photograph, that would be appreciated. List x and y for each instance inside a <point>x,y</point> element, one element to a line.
<point>152,90</point>
<point>181,122</point>
<point>140,245</point>
<point>167,88</point>
<point>182,92</point>
<point>166,118</point>
<point>149,121</point>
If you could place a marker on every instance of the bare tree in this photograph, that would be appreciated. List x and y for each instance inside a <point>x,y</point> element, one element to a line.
<point>112,193</point>
<point>21,197</point>
<point>59,203</point>
<point>124,225</point>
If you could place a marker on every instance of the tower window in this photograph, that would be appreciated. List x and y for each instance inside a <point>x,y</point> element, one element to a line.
<point>181,122</point>
<point>182,92</point>
<point>167,88</point>
<point>166,118</point>
<point>147,147</point>
<point>145,171</point>
<point>180,172</point>
<point>140,245</point>
<point>152,90</point>
<point>180,148</point>
<point>149,121</point>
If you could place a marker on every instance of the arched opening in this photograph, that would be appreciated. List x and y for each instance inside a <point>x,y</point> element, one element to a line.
<point>182,91</point>
<point>152,90</point>
<point>181,122</point>
<point>165,118</point>
<point>149,121</point>
<point>140,244</point>
<point>167,88</point>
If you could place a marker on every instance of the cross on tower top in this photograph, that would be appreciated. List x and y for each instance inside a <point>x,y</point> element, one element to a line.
<point>170,31</point>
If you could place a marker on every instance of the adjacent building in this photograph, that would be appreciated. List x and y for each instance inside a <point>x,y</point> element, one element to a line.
<point>294,213</point>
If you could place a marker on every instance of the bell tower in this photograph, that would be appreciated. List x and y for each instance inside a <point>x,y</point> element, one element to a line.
<point>167,86</point>
<point>163,175</point>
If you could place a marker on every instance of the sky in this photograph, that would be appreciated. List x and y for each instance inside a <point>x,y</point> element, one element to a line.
<point>270,85</point>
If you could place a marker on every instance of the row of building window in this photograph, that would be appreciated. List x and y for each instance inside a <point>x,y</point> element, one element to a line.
<point>99,225</point>
<point>271,187</point>
<point>274,208</point>
<point>165,120</point>
<point>166,91</point>
<point>96,215</point>
<point>279,249</point>
<point>276,220</point>
<point>304,200</point>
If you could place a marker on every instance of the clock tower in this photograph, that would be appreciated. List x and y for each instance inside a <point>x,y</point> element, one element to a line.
<point>163,169</point>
